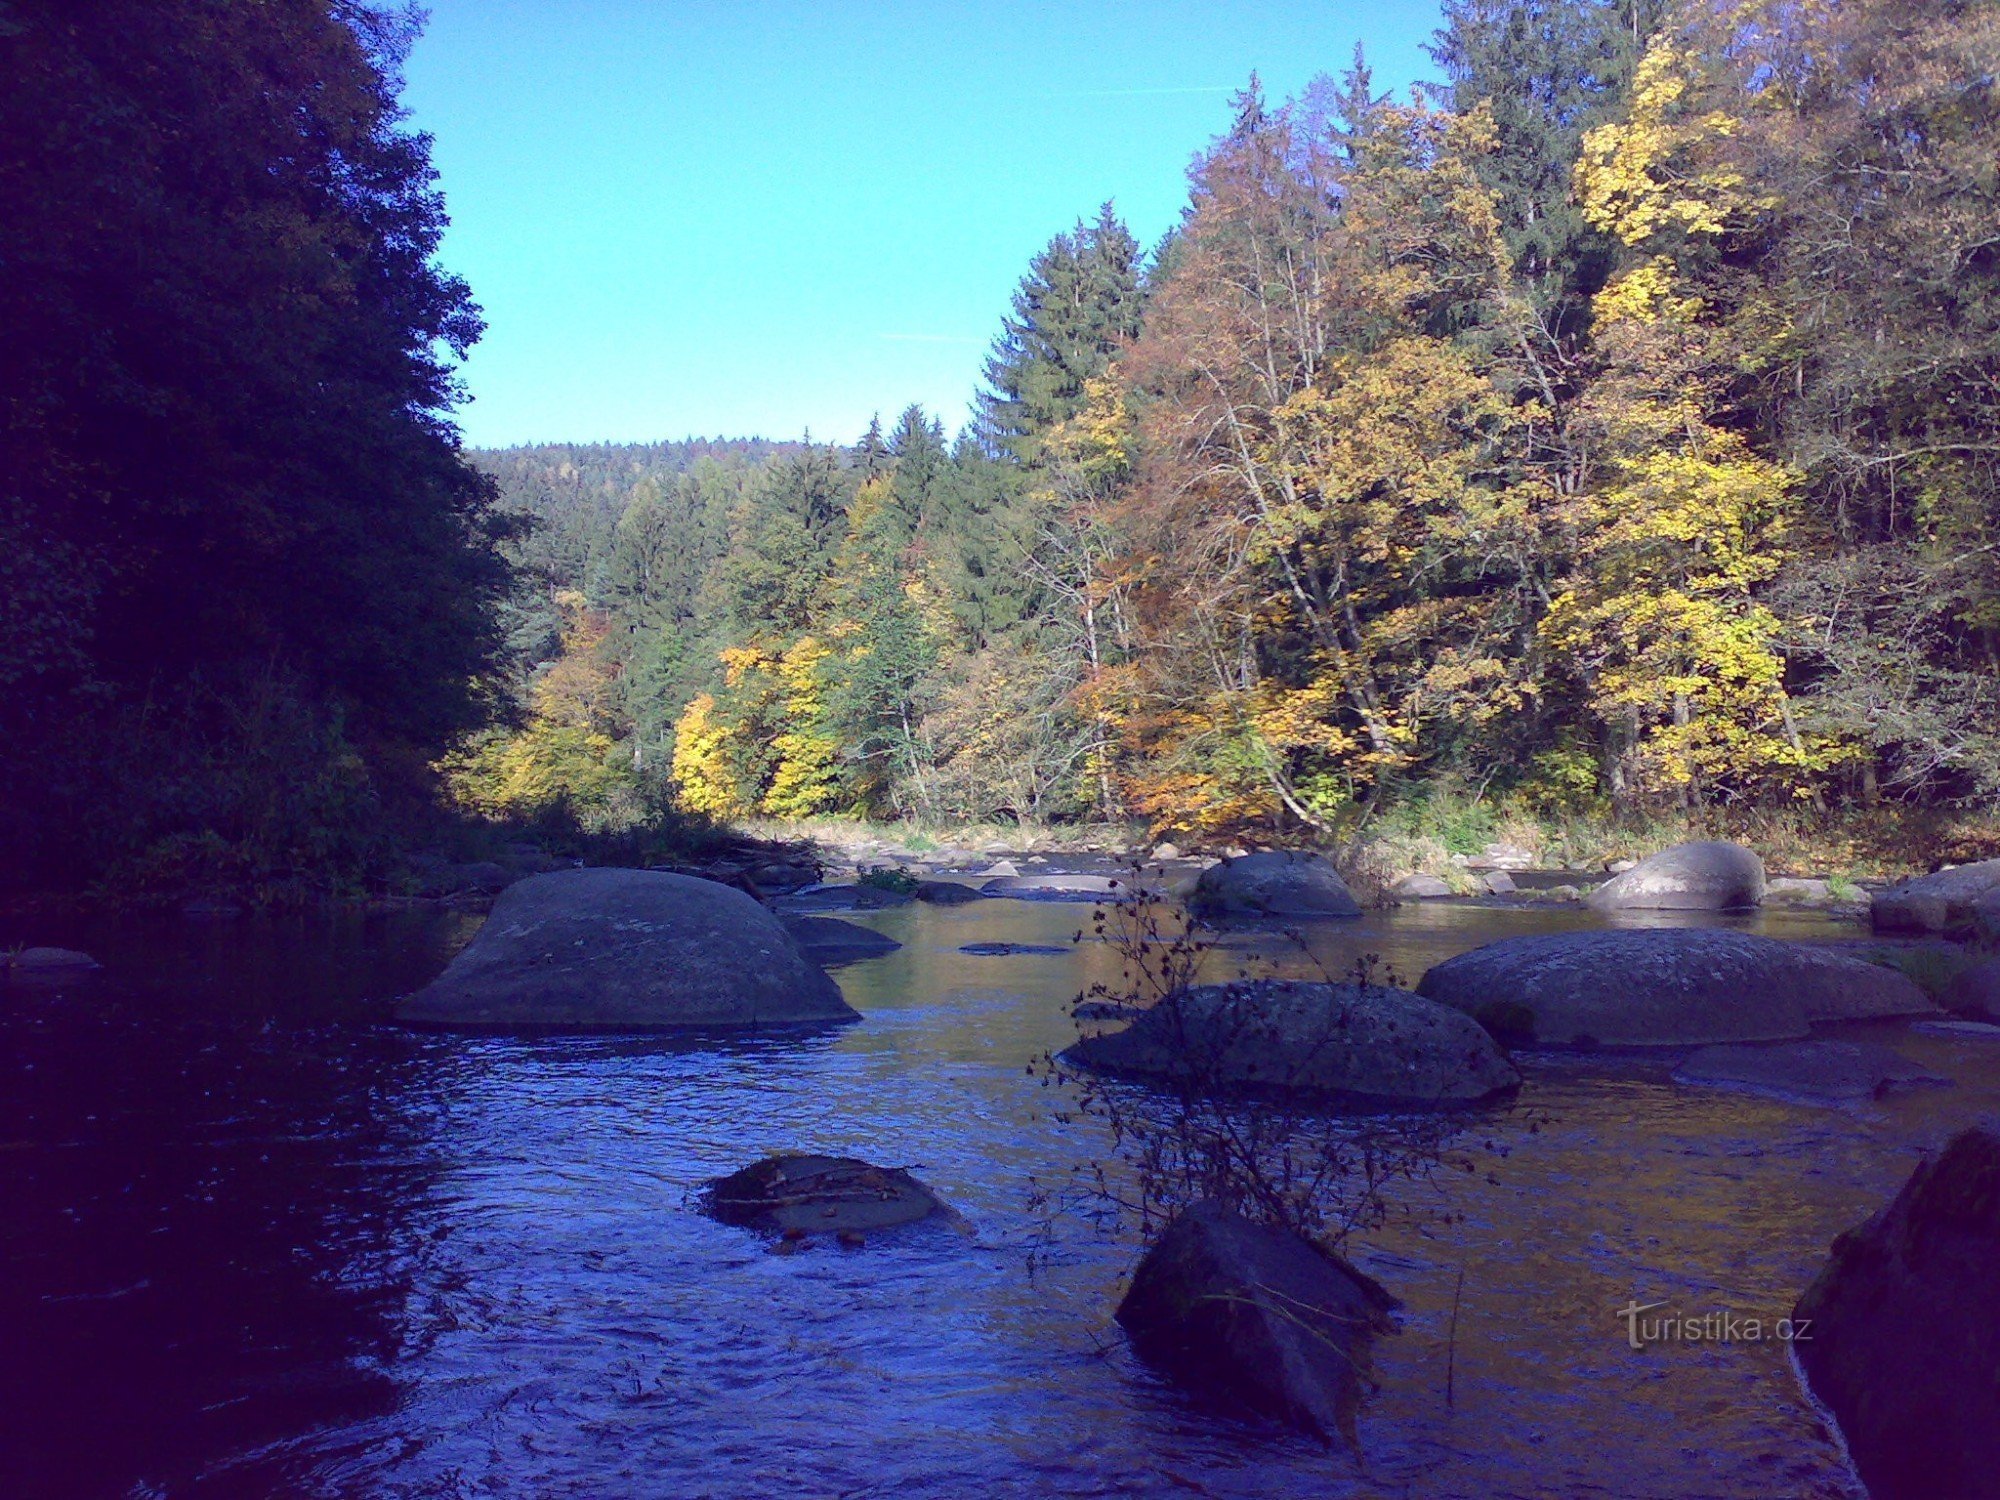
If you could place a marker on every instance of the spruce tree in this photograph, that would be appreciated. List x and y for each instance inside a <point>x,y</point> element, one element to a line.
<point>1079,302</point>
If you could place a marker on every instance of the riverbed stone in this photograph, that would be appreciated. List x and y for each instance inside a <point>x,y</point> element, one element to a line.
<point>946,893</point>
<point>1793,890</point>
<point>846,897</point>
<point>1818,1071</point>
<point>1502,857</point>
<point>1276,883</point>
<point>1944,902</point>
<point>1664,987</point>
<point>627,950</point>
<point>1420,887</point>
<point>1974,992</point>
<point>1059,887</point>
<point>1904,1333</point>
<point>1257,1317</point>
<point>46,963</point>
<point>1704,876</point>
<point>797,1194</point>
<point>829,940</point>
<point>1366,1046</point>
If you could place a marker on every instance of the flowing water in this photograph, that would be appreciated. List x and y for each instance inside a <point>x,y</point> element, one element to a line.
<point>257,1242</point>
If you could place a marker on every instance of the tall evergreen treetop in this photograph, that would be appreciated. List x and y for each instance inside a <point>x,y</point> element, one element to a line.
<point>1080,301</point>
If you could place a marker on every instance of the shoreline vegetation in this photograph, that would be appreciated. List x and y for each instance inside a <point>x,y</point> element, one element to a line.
<point>1526,463</point>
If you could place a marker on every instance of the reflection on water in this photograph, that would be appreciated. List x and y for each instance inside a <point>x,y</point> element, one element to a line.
<point>258,1244</point>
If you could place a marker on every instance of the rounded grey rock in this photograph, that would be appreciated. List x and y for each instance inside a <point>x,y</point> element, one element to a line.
<point>627,950</point>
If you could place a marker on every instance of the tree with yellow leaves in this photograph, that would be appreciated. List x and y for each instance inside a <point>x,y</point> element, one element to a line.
<point>1684,523</point>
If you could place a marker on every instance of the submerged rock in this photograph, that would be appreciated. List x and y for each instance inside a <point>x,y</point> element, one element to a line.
<point>1274,884</point>
<point>46,963</point>
<point>627,950</point>
<point>1703,876</point>
<point>846,898</point>
<point>946,893</point>
<point>1819,1071</point>
<point>1903,1336</point>
<point>1054,887</point>
<point>1354,1044</point>
<point>801,1195</point>
<point>832,941</point>
<point>1664,987</point>
<point>1945,902</point>
<point>1257,1318</point>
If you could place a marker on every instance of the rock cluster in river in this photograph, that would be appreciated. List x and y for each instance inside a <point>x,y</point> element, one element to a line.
<point>1903,1339</point>
<point>1362,1045</point>
<point>1664,987</point>
<point>632,950</point>
<point>1258,1318</point>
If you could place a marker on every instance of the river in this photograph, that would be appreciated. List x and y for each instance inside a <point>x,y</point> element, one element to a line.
<point>257,1242</point>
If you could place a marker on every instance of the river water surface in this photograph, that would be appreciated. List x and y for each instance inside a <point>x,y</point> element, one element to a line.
<point>256,1242</point>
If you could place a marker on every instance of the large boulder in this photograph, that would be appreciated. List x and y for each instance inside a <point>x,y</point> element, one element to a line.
<point>1945,902</point>
<point>1705,876</point>
<point>1360,1045</point>
<point>1901,1336</point>
<point>1274,884</point>
<point>1255,1317</point>
<point>627,950</point>
<point>1664,987</point>
<point>1817,1072</point>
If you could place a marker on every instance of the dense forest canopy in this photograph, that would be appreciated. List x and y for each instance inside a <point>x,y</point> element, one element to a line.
<point>1611,425</point>
<point>245,574</point>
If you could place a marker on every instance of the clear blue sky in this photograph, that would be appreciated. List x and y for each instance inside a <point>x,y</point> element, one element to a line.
<point>763,217</point>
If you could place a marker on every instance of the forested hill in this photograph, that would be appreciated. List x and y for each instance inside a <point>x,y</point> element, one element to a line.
<point>1611,429</point>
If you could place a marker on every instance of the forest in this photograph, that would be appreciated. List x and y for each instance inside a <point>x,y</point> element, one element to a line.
<point>1608,428</point>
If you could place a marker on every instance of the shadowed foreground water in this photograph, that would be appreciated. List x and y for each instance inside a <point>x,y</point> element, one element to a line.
<point>257,1243</point>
